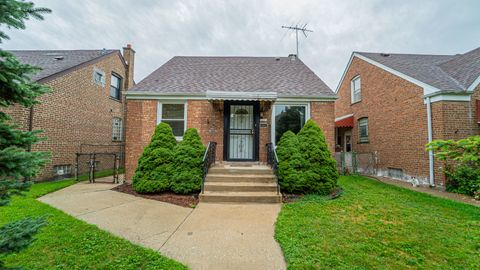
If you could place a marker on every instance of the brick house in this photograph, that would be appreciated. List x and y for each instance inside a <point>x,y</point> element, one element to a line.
<point>85,105</point>
<point>393,104</point>
<point>242,103</point>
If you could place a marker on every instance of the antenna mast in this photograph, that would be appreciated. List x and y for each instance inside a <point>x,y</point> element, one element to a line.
<point>297,28</point>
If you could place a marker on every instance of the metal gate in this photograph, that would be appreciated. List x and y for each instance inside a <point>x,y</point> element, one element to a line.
<point>357,162</point>
<point>95,161</point>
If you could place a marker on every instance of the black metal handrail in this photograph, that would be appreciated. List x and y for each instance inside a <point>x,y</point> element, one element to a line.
<point>208,160</point>
<point>272,160</point>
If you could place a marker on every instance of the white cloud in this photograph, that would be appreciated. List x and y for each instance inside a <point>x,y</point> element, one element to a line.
<point>160,30</point>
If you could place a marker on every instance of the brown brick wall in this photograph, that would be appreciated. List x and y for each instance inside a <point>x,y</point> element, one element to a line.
<point>76,112</point>
<point>140,124</point>
<point>396,114</point>
<point>323,113</point>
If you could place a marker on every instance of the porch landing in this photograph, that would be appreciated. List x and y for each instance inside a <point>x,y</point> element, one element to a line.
<point>243,182</point>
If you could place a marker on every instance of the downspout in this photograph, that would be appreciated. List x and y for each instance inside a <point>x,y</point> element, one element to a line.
<point>430,139</point>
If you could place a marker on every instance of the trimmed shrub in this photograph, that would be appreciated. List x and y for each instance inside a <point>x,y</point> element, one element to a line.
<point>290,164</point>
<point>187,165</point>
<point>464,180</point>
<point>153,171</point>
<point>320,173</point>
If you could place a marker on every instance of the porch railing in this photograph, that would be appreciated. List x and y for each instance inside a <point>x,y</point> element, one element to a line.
<point>208,160</point>
<point>272,160</point>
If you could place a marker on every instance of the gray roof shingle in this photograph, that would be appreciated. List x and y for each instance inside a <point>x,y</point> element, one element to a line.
<point>54,61</point>
<point>185,74</point>
<point>445,72</point>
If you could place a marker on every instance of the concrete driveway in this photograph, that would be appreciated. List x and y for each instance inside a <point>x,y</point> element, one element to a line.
<point>211,236</point>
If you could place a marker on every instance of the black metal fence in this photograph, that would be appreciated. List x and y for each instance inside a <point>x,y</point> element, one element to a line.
<point>95,161</point>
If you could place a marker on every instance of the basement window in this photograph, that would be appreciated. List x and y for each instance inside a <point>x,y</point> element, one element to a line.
<point>395,173</point>
<point>62,169</point>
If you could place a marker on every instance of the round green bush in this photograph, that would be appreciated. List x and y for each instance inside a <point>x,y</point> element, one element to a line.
<point>187,166</point>
<point>290,164</point>
<point>153,171</point>
<point>305,164</point>
<point>320,172</point>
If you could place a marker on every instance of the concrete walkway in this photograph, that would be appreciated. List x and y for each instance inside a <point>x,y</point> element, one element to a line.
<point>211,236</point>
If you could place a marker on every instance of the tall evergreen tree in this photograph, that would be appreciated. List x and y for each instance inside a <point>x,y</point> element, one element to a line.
<point>17,162</point>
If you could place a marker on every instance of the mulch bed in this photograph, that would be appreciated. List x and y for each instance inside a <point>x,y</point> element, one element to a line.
<point>289,198</point>
<point>182,200</point>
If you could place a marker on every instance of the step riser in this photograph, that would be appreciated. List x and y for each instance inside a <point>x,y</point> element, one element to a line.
<point>240,199</point>
<point>215,178</point>
<point>240,188</point>
<point>239,171</point>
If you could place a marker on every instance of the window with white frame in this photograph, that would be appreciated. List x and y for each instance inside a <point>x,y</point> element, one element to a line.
<point>356,90</point>
<point>98,77</point>
<point>115,86</point>
<point>288,117</point>
<point>174,114</point>
<point>62,169</point>
<point>117,129</point>
<point>363,130</point>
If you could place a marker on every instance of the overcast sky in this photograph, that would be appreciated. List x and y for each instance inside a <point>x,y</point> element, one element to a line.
<point>159,30</point>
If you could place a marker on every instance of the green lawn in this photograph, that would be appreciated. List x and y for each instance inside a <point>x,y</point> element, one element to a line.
<point>68,243</point>
<point>378,226</point>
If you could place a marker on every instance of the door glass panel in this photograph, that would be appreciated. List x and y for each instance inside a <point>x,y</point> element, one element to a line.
<point>288,118</point>
<point>241,132</point>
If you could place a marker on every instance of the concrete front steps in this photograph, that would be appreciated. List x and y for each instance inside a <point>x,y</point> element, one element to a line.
<point>240,183</point>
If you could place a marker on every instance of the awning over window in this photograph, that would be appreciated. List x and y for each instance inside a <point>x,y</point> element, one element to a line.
<point>227,95</point>
<point>344,121</point>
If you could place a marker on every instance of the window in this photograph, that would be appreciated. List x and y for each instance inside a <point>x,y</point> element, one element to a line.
<point>288,117</point>
<point>117,129</point>
<point>98,77</point>
<point>173,114</point>
<point>395,173</point>
<point>115,87</point>
<point>363,130</point>
<point>356,92</point>
<point>62,169</point>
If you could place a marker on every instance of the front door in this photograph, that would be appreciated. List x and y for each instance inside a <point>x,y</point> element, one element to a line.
<point>241,131</point>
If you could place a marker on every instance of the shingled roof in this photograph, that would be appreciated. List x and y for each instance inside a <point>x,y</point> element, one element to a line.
<point>197,75</point>
<point>453,73</point>
<point>53,62</point>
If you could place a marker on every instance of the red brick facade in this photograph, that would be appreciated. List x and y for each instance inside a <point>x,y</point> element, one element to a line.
<point>77,111</point>
<point>397,120</point>
<point>208,120</point>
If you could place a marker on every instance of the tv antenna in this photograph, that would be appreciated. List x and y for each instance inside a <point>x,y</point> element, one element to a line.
<point>297,28</point>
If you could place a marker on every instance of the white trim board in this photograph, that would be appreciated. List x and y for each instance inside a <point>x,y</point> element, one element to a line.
<point>202,96</point>
<point>448,97</point>
<point>475,83</point>
<point>343,117</point>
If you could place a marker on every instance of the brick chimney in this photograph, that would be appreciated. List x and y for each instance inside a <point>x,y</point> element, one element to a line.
<point>129,55</point>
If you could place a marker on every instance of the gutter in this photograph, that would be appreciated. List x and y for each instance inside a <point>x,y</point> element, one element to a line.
<point>430,139</point>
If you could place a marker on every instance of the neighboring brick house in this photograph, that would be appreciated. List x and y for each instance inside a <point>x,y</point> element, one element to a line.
<point>85,105</point>
<point>230,100</point>
<point>394,104</point>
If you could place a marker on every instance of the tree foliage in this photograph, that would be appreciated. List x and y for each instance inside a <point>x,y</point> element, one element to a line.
<point>17,163</point>
<point>462,160</point>
<point>305,163</point>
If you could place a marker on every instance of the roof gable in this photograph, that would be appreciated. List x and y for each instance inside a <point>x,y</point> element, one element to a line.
<point>186,74</point>
<point>434,73</point>
<point>53,62</point>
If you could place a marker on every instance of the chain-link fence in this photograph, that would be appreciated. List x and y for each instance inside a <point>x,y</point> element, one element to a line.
<point>96,161</point>
<point>357,163</point>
